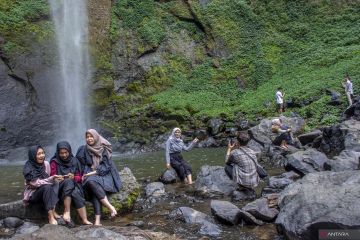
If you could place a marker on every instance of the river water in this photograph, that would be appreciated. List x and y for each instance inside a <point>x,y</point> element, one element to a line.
<point>147,168</point>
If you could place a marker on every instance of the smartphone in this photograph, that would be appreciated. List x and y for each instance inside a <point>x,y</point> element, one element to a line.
<point>66,176</point>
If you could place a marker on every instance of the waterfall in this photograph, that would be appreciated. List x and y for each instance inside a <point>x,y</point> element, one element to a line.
<point>71,25</point>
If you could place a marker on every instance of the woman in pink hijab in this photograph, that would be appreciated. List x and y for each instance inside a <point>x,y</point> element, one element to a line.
<point>99,173</point>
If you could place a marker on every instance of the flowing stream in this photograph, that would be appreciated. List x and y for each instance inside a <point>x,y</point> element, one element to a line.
<point>71,25</point>
<point>147,168</point>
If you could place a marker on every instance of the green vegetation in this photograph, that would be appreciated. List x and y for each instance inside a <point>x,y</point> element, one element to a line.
<point>23,21</point>
<point>303,46</point>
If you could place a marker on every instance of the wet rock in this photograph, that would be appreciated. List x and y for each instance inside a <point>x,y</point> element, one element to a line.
<point>351,128</point>
<point>243,195</point>
<point>26,228</point>
<point>308,138</point>
<point>155,189</point>
<point>191,216</point>
<point>347,160</point>
<point>136,223</point>
<point>249,219</point>
<point>261,210</point>
<point>304,162</point>
<point>225,212</point>
<point>169,176</point>
<point>12,222</point>
<point>215,126</point>
<point>213,181</point>
<point>279,182</point>
<point>304,209</point>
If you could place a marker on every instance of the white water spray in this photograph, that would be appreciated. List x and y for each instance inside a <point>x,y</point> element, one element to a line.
<point>71,24</point>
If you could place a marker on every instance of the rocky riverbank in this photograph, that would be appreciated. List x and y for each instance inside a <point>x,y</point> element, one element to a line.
<point>318,189</point>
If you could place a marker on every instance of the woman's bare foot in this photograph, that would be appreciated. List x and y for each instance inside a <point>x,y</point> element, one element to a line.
<point>113,212</point>
<point>87,222</point>
<point>66,216</point>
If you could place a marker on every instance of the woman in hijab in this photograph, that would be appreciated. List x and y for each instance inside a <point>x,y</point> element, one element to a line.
<point>284,133</point>
<point>65,164</point>
<point>174,147</point>
<point>100,175</point>
<point>39,185</point>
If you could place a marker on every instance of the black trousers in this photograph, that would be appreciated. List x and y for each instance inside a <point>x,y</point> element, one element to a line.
<point>69,188</point>
<point>48,194</point>
<point>182,168</point>
<point>284,136</point>
<point>96,192</point>
<point>229,171</point>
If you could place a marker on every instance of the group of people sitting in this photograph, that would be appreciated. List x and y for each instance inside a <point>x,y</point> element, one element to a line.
<point>69,179</point>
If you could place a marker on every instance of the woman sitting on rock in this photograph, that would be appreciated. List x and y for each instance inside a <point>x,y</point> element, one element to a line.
<point>100,175</point>
<point>174,147</point>
<point>39,185</point>
<point>241,163</point>
<point>284,133</point>
<point>66,165</point>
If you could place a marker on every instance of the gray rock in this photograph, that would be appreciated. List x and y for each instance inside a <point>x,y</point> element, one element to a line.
<point>262,132</point>
<point>26,228</point>
<point>320,199</point>
<point>260,209</point>
<point>215,126</point>
<point>249,219</point>
<point>225,212</point>
<point>347,160</point>
<point>279,182</point>
<point>213,181</point>
<point>129,192</point>
<point>308,138</point>
<point>307,161</point>
<point>13,222</point>
<point>136,223</point>
<point>48,232</point>
<point>191,216</point>
<point>99,233</point>
<point>353,111</point>
<point>155,189</point>
<point>169,176</point>
<point>243,195</point>
<point>17,209</point>
<point>208,142</point>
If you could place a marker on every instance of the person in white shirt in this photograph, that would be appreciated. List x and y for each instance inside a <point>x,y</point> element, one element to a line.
<point>347,84</point>
<point>279,96</point>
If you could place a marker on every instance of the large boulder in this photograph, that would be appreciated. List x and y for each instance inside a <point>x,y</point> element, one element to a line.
<point>304,162</point>
<point>262,132</point>
<point>215,126</point>
<point>261,210</point>
<point>308,138</point>
<point>346,160</point>
<point>213,181</point>
<point>323,200</point>
<point>277,183</point>
<point>191,216</point>
<point>125,199</point>
<point>225,211</point>
<point>353,111</point>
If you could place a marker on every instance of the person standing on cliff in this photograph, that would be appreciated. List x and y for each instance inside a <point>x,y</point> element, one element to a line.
<point>347,84</point>
<point>174,159</point>
<point>279,96</point>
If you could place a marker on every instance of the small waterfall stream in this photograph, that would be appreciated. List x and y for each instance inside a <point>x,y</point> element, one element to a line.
<point>71,25</point>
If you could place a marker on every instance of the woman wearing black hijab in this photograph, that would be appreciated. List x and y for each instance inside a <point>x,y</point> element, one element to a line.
<point>39,185</point>
<point>64,163</point>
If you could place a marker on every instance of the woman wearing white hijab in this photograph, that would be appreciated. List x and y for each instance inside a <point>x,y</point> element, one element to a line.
<point>174,147</point>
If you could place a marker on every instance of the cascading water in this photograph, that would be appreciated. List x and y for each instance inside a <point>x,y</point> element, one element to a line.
<point>71,24</point>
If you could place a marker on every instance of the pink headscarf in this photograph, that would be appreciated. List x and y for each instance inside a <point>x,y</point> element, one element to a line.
<point>97,150</point>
